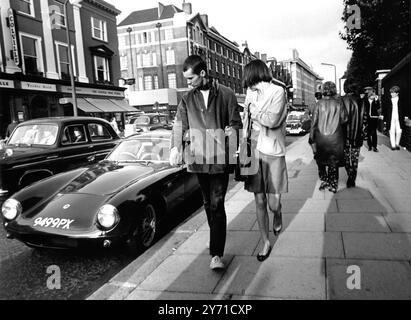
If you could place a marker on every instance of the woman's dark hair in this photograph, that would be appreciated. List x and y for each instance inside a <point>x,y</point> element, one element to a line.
<point>196,63</point>
<point>329,89</point>
<point>395,89</point>
<point>318,95</point>
<point>255,72</point>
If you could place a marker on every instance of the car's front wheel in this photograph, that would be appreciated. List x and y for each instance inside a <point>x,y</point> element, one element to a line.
<point>146,231</point>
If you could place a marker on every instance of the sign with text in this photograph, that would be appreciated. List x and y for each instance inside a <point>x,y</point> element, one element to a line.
<point>94,92</point>
<point>14,37</point>
<point>38,86</point>
<point>6,83</point>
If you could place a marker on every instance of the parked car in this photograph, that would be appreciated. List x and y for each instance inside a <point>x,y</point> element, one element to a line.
<point>40,148</point>
<point>298,122</point>
<point>120,200</point>
<point>147,122</point>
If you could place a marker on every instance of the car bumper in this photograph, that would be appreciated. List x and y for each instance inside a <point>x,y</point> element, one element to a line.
<point>294,131</point>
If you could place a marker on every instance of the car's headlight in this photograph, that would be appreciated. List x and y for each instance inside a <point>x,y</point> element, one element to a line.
<point>11,209</point>
<point>108,216</point>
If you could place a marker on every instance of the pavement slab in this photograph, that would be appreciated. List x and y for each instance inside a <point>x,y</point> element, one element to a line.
<point>379,246</point>
<point>401,204</point>
<point>174,296</point>
<point>378,280</point>
<point>373,222</point>
<point>279,278</point>
<point>309,206</point>
<point>237,207</point>
<point>399,222</point>
<point>299,222</point>
<point>363,206</point>
<point>236,222</point>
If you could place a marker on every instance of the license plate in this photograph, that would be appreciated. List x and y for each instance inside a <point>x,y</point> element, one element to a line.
<point>55,223</point>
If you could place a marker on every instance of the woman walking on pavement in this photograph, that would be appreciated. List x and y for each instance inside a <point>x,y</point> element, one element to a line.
<point>395,118</point>
<point>266,106</point>
<point>327,137</point>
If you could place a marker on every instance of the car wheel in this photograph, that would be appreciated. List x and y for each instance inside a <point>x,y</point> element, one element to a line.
<point>146,231</point>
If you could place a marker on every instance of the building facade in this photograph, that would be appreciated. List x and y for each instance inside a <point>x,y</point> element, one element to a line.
<point>153,46</point>
<point>34,59</point>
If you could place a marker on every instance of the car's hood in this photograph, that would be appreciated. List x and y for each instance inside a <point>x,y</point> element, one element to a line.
<point>19,151</point>
<point>106,178</point>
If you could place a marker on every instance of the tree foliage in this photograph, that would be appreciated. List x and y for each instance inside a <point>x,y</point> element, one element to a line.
<point>382,39</point>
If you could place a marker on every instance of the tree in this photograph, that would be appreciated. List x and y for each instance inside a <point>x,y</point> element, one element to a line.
<point>382,39</point>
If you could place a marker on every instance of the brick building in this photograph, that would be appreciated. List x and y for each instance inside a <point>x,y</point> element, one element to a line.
<point>34,64</point>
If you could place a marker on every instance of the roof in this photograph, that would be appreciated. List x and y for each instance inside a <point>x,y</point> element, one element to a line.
<point>104,5</point>
<point>148,15</point>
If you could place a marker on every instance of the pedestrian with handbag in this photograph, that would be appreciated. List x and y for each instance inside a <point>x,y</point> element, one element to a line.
<point>395,118</point>
<point>207,116</point>
<point>266,109</point>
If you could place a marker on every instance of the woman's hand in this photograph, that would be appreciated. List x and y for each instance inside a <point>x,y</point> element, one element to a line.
<point>254,111</point>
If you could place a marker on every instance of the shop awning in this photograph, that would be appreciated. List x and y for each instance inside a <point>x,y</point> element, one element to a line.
<point>124,104</point>
<point>105,105</point>
<point>84,105</point>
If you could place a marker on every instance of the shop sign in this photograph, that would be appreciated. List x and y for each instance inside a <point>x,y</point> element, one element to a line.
<point>14,38</point>
<point>38,86</point>
<point>6,83</point>
<point>94,92</point>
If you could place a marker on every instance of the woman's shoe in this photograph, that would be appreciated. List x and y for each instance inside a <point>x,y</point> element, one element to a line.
<point>262,257</point>
<point>278,222</point>
<point>333,190</point>
<point>323,186</point>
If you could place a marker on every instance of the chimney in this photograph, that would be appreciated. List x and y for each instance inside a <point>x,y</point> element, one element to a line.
<point>187,8</point>
<point>257,54</point>
<point>160,9</point>
<point>264,57</point>
<point>204,17</point>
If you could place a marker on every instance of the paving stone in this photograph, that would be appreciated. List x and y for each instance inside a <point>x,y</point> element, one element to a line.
<point>237,222</point>
<point>276,277</point>
<point>399,222</point>
<point>110,292</point>
<point>362,206</point>
<point>184,273</point>
<point>374,222</point>
<point>237,243</point>
<point>173,296</point>
<point>309,206</point>
<point>379,280</point>
<point>238,207</point>
<point>307,245</point>
<point>382,246</point>
<point>299,222</point>
<point>401,204</point>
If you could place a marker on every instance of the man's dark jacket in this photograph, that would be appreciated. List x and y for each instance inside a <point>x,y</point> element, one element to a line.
<point>353,130</point>
<point>401,114</point>
<point>204,128</point>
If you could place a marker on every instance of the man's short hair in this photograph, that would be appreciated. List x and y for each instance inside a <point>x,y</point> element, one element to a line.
<point>369,89</point>
<point>195,63</point>
<point>329,89</point>
<point>318,95</point>
<point>395,89</point>
<point>255,72</point>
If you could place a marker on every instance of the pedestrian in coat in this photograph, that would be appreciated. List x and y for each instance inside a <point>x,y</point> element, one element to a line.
<point>395,118</point>
<point>206,116</point>
<point>267,105</point>
<point>372,108</point>
<point>353,129</point>
<point>327,136</point>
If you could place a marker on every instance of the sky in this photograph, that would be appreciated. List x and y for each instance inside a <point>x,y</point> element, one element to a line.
<point>273,27</point>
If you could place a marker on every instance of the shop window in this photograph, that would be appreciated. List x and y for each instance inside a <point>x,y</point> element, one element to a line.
<point>102,70</point>
<point>99,29</point>
<point>25,6</point>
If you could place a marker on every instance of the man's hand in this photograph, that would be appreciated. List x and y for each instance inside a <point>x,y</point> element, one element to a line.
<point>175,157</point>
<point>253,111</point>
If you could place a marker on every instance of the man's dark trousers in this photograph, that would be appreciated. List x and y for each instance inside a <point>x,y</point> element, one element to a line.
<point>372,132</point>
<point>214,189</point>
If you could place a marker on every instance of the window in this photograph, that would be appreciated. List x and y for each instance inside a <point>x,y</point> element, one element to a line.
<point>58,17</point>
<point>25,6</point>
<point>63,60</point>
<point>139,60</point>
<point>98,132</point>
<point>99,29</point>
<point>228,71</point>
<point>172,81</point>
<point>147,59</point>
<point>31,54</point>
<point>170,56</point>
<point>148,83</point>
<point>74,134</point>
<point>222,68</point>
<point>102,69</point>
<point>145,37</point>
<point>216,66</point>
<point>154,59</point>
<point>140,83</point>
<point>209,63</point>
<point>123,61</point>
<point>155,82</point>
<point>169,34</point>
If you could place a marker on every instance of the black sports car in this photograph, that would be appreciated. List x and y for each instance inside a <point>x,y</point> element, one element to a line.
<point>120,199</point>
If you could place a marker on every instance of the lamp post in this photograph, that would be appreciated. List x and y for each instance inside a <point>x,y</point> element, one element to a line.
<point>70,56</point>
<point>335,73</point>
<point>129,30</point>
<point>158,25</point>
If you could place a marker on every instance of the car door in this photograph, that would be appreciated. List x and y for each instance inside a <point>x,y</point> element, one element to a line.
<point>102,139</point>
<point>76,148</point>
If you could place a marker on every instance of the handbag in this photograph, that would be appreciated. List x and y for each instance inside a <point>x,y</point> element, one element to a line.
<point>245,154</point>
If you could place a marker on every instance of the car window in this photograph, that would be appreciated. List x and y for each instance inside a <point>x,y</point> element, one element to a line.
<point>155,120</point>
<point>142,120</point>
<point>151,149</point>
<point>163,120</point>
<point>98,132</point>
<point>74,134</point>
<point>37,134</point>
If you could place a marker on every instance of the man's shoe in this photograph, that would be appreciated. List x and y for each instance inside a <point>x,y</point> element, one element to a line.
<point>216,263</point>
<point>375,150</point>
<point>350,184</point>
<point>369,149</point>
<point>398,148</point>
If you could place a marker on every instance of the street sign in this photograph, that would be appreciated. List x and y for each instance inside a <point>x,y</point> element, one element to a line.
<point>64,100</point>
<point>130,82</point>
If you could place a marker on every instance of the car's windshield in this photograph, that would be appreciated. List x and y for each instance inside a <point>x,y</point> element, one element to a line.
<point>294,117</point>
<point>37,134</point>
<point>141,120</point>
<point>142,149</point>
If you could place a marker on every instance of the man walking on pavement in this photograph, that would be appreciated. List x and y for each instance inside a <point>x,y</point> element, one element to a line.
<point>353,132</point>
<point>372,112</point>
<point>208,114</point>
